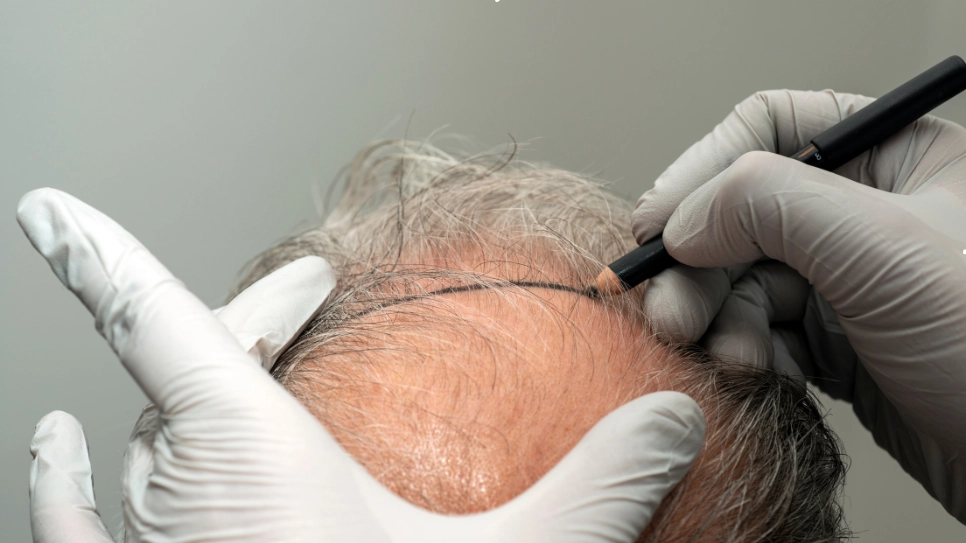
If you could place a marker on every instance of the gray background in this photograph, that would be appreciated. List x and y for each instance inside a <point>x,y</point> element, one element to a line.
<point>203,127</point>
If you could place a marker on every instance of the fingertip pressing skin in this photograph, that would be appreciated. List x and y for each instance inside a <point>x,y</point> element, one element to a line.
<point>606,488</point>
<point>667,415</point>
<point>628,462</point>
<point>677,413</point>
<point>267,316</point>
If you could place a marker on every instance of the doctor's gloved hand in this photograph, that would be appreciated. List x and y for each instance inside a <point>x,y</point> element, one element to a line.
<point>236,458</point>
<point>865,289</point>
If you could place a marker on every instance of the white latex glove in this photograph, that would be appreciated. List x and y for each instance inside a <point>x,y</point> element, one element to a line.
<point>876,268</point>
<point>238,459</point>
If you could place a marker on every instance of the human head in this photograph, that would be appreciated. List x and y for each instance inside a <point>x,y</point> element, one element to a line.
<point>458,361</point>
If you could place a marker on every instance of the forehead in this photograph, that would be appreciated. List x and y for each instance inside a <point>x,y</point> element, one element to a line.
<point>487,386</point>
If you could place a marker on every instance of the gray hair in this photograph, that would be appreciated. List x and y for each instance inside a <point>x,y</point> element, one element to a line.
<point>408,217</point>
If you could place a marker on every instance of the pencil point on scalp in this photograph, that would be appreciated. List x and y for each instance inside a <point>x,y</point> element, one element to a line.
<point>608,283</point>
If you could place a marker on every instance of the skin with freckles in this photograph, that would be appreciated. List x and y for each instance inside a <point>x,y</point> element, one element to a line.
<point>460,401</point>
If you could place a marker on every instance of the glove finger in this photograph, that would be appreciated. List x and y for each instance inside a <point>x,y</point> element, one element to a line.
<point>682,301</point>
<point>777,121</point>
<point>267,316</point>
<point>608,487</point>
<point>792,356</point>
<point>62,505</point>
<point>741,332</point>
<point>776,287</point>
<point>175,348</point>
<point>862,250</point>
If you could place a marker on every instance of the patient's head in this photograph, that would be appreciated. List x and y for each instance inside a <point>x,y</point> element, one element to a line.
<point>459,360</point>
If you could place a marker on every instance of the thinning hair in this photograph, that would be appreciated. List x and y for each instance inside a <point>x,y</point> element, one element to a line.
<point>414,221</point>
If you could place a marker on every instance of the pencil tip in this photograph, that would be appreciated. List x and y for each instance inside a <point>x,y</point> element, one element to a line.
<point>593,292</point>
<point>608,283</point>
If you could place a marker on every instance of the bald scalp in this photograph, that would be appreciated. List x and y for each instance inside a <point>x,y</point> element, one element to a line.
<point>460,402</point>
<point>441,366</point>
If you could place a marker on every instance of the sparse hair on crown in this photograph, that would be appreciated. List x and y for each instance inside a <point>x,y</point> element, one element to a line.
<point>413,219</point>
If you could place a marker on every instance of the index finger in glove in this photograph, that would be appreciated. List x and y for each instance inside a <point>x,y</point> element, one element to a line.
<point>777,121</point>
<point>770,293</point>
<point>163,334</point>
<point>682,301</point>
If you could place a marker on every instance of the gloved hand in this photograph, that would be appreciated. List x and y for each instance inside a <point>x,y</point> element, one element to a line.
<point>871,301</point>
<point>238,459</point>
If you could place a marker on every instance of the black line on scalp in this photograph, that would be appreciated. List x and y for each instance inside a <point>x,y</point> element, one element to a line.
<point>479,286</point>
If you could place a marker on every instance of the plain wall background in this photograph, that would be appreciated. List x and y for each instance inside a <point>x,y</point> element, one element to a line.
<point>202,127</point>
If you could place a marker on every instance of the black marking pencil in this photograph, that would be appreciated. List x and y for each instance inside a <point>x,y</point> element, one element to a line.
<point>829,150</point>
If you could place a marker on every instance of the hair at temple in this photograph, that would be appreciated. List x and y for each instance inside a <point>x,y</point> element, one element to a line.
<point>414,221</point>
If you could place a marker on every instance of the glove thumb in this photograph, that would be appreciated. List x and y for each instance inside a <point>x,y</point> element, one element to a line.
<point>608,487</point>
<point>61,489</point>
<point>267,316</point>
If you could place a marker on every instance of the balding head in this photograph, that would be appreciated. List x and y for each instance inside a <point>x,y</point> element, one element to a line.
<point>460,401</point>
<point>458,359</point>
